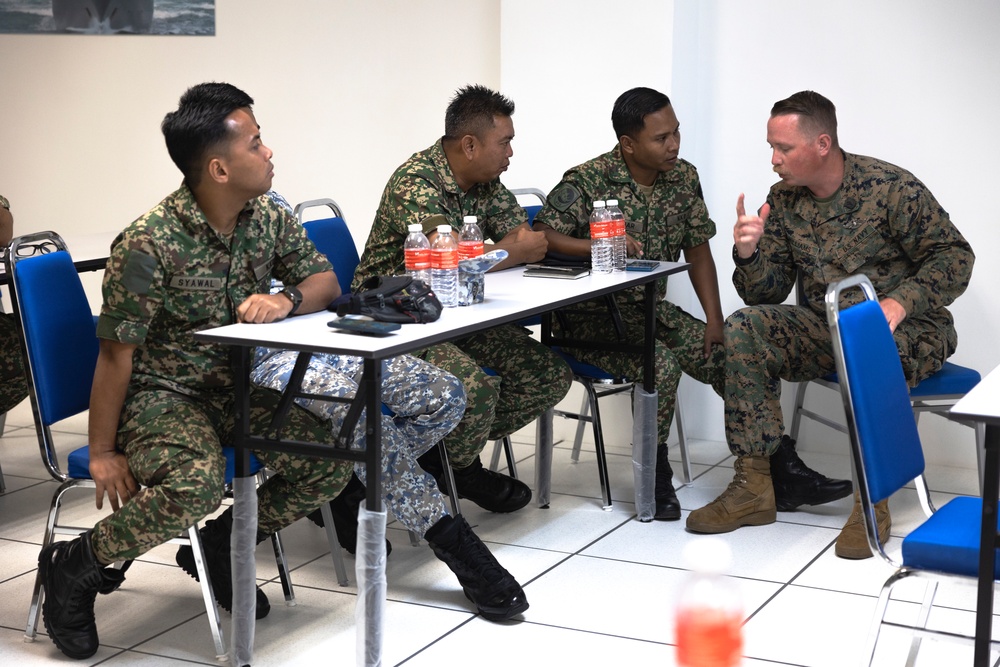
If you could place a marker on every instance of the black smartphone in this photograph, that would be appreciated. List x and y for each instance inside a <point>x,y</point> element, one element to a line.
<point>363,326</point>
<point>641,265</point>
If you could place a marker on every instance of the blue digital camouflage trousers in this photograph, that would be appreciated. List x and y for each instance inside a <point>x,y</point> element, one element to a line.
<point>174,446</point>
<point>426,403</point>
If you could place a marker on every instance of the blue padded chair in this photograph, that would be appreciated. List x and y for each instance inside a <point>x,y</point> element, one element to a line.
<point>58,336</point>
<point>598,383</point>
<point>935,394</point>
<point>332,238</point>
<point>504,444</point>
<point>531,209</point>
<point>887,455</point>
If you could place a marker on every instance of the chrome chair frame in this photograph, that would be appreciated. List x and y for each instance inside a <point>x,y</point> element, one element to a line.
<point>887,454</point>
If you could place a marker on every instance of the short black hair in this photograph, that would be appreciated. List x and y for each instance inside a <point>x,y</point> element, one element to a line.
<point>631,108</point>
<point>472,110</point>
<point>198,125</point>
<point>817,115</point>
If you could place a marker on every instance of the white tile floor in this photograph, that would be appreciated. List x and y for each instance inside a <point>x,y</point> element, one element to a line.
<point>601,585</point>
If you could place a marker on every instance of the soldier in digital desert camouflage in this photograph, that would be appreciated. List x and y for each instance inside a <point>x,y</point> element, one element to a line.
<point>832,215</point>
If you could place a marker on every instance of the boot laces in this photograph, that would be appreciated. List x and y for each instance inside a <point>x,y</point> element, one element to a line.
<point>478,558</point>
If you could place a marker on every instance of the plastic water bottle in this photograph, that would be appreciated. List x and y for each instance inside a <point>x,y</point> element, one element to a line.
<point>618,243</point>
<point>470,238</point>
<point>417,250</point>
<point>709,618</point>
<point>444,267</point>
<point>600,239</point>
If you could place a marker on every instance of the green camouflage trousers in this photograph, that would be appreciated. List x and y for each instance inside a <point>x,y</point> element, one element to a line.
<point>13,386</point>
<point>529,380</point>
<point>680,342</point>
<point>770,343</point>
<point>174,449</point>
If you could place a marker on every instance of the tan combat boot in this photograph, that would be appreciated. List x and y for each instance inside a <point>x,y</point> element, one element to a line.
<point>853,541</point>
<point>747,501</point>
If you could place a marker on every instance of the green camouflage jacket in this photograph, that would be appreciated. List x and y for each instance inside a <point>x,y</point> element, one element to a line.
<point>673,218</point>
<point>170,274</point>
<point>422,187</point>
<point>882,222</point>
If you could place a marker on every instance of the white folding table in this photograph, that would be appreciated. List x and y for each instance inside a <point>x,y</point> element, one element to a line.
<point>510,297</point>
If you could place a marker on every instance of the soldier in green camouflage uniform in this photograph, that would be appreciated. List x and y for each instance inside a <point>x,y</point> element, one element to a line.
<point>13,387</point>
<point>455,177</point>
<point>660,195</point>
<point>163,403</point>
<point>834,214</point>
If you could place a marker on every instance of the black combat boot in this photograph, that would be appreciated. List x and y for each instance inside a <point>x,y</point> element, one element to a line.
<point>668,508</point>
<point>72,578</point>
<point>493,590</point>
<point>490,490</point>
<point>345,516</point>
<point>795,484</point>
<point>215,536</point>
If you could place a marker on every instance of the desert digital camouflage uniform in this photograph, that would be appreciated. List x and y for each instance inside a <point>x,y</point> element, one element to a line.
<point>530,377</point>
<point>426,403</point>
<point>674,217</point>
<point>13,386</point>
<point>882,222</point>
<point>170,274</point>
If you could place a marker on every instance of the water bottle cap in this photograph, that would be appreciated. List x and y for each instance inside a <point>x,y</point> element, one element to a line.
<point>415,227</point>
<point>444,229</point>
<point>599,203</point>
<point>612,202</point>
<point>710,555</point>
<point>470,218</point>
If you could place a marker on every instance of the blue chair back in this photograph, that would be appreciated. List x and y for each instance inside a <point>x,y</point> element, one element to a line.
<point>880,418</point>
<point>59,334</point>
<point>333,238</point>
<point>532,211</point>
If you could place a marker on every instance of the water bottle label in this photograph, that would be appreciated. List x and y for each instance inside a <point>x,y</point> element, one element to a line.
<point>709,637</point>
<point>470,249</point>
<point>417,259</point>
<point>620,227</point>
<point>444,258</point>
<point>600,230</point>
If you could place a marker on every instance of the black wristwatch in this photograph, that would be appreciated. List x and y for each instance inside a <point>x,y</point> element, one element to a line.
<point>294,295</point>
<point>743,262</point>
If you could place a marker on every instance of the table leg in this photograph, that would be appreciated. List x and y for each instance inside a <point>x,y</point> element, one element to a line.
<point>370,563</point>
<point>244,535</point>
<point>987,547</point>
<point>543,458</point>
<point>644,427</point>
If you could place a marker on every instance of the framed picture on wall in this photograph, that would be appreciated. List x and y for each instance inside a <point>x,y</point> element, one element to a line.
<point>108,17</point>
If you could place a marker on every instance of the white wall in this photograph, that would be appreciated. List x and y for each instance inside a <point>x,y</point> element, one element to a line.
<point>345,92</point>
